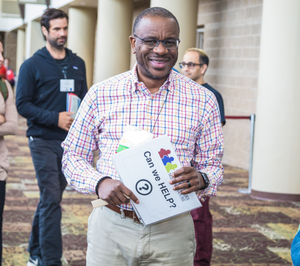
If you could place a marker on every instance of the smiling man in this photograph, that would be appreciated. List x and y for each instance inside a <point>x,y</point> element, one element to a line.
<point>157,99</point>
<point>43,84</point>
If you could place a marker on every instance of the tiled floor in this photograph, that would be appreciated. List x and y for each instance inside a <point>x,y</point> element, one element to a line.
<point>246,231</point>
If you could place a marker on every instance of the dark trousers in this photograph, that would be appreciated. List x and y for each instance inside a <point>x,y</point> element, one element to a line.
<point>203,233</point>
<point>45,239</point>
<point>2,200</point>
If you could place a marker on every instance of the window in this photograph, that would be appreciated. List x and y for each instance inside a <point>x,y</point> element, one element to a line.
<point>200,37</point>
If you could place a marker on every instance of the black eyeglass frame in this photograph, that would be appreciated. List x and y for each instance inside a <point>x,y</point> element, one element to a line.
<point>158,41</point>
<point>190,64</point>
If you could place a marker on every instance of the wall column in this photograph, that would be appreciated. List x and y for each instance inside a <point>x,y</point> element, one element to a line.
<point>276,167</point>
<point>112,45</point>
<point>186,13</point>
<point>34,38</point>
<point>20,49</point>
<point>81,37</point>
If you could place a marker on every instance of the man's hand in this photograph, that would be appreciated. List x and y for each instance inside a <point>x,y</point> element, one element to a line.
<point>2,119</point>
<point>115,192</point>
<point>65,120</point>
<point>185,174</point>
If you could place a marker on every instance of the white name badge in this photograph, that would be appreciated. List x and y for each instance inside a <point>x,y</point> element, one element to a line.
<point>67,85</point>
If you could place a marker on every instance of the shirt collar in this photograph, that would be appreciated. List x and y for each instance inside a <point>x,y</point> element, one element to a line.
<point>168,84</point>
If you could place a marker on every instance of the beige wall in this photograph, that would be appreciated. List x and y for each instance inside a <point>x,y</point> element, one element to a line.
<point>20,53</point>
<point>81,37</point>
<point>11,48</point>
<point>232,40</point>
<point>276,152</point>
<point>114,26</point>
<point>34,38</point>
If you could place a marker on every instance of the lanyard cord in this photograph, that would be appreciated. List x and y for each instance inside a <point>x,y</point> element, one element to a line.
<point>63,70</point>
<point>152,129</point>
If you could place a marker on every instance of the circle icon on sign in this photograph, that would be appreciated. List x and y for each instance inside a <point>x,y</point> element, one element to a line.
<point>143,187</point>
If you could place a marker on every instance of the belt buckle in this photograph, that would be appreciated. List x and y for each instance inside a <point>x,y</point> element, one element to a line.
<point>135,218</point>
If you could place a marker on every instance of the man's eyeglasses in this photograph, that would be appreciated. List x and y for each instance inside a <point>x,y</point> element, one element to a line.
<point>170,44</point>
<point>189,65</point>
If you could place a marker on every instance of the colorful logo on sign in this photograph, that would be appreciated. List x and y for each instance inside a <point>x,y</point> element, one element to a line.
<point>167,160</point>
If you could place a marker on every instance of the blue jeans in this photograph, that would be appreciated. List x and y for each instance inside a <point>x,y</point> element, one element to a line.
<point>45,239</point>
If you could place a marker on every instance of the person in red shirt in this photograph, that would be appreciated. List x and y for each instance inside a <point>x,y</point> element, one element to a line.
<point>10,75</point>
<point>2,72</point>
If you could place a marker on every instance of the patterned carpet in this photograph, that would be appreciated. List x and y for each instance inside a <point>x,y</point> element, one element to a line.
<point>246,231</point>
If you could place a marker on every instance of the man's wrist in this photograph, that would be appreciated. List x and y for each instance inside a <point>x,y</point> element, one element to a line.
<point>98,184</point>
<point>205,180</point>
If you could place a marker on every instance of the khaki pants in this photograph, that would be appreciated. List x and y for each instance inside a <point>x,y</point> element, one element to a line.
<point>116,241</point>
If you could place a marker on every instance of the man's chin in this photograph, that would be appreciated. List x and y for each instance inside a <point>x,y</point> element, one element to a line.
<point>60,46</point>
<point>159,73</point>
<point>158,76</point>
<point>57,45</point>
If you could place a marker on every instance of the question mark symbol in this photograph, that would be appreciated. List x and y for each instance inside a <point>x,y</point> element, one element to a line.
<point>173,205</point>
<point>146,187</point>
<point>143,187</point>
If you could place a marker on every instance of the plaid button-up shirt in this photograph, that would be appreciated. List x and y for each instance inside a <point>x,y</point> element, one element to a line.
<point>185,111</point>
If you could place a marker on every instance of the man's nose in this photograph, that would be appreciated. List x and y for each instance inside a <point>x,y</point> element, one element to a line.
<point>160,49</point>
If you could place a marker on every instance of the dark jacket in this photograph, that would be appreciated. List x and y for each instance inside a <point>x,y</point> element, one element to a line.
<point>39,98</point>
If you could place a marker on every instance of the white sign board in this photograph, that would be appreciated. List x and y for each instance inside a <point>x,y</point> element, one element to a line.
<point>146,170</point>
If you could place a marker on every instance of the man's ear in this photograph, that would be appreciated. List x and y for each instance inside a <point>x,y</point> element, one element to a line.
<point>203,69</point>
<point>132,40</point>
<point>44,30</point>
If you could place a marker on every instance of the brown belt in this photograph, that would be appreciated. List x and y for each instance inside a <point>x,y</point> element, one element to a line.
<point>129,214</point>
